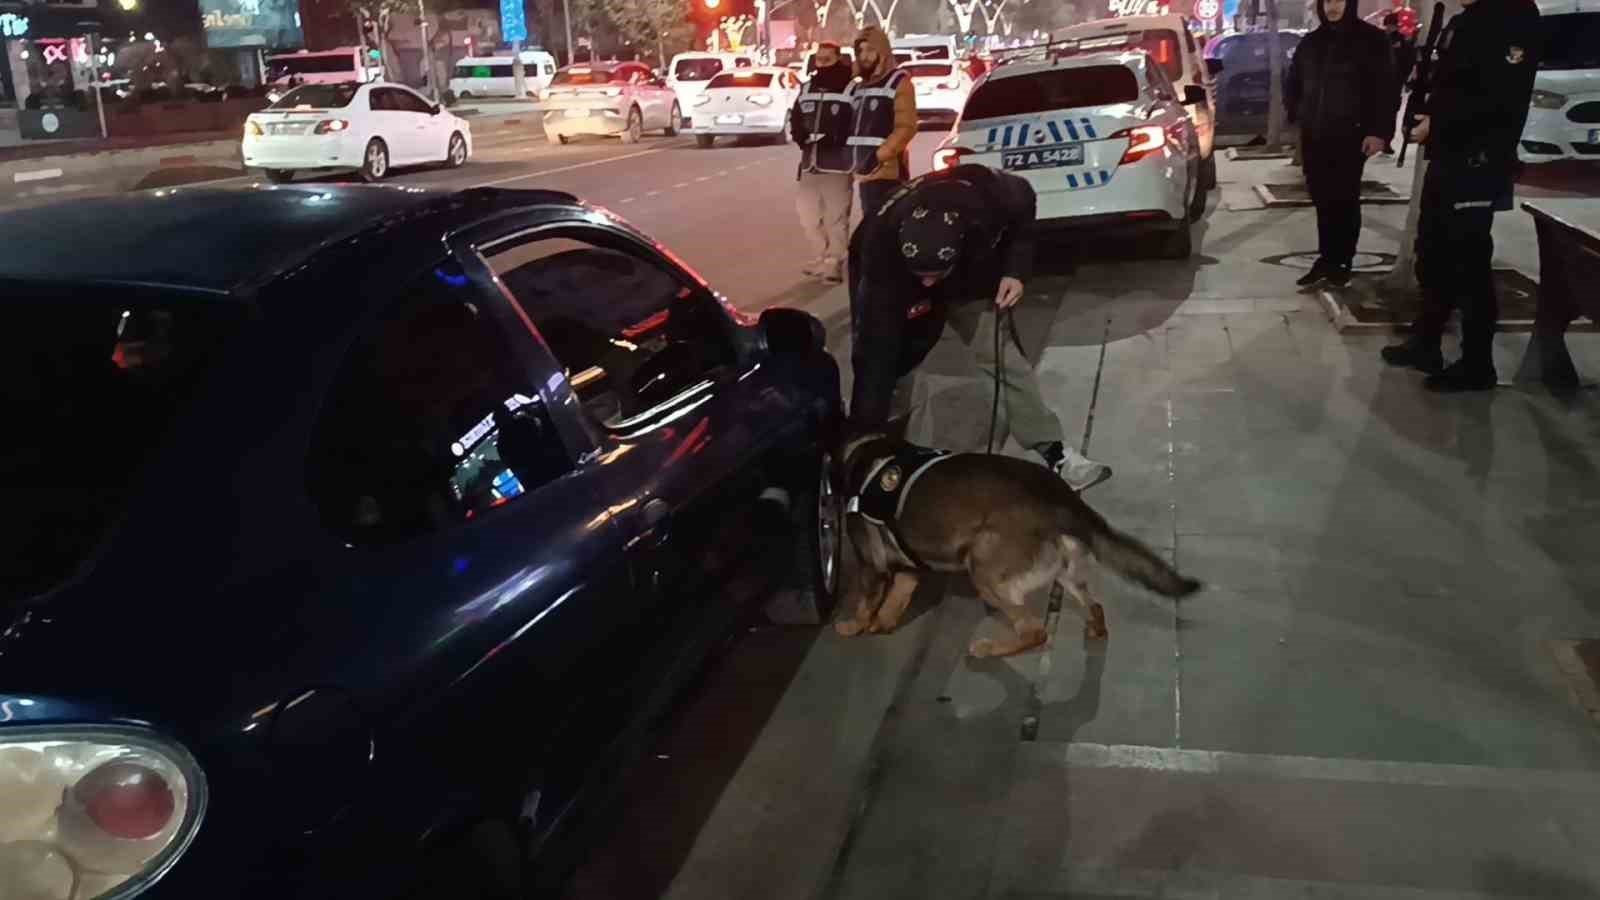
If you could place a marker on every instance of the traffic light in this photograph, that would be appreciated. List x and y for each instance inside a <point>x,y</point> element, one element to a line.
<point>711,4</point>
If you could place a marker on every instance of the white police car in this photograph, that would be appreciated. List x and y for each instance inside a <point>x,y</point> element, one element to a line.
<point>1103,137</point>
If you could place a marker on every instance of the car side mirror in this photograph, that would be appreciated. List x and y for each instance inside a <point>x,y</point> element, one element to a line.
<point>1214,66</point>
<point>1194,95</point>
<point>434,109</point>
<point>792,331</point>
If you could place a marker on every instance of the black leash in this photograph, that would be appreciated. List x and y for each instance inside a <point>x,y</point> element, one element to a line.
<point>1001,317</point>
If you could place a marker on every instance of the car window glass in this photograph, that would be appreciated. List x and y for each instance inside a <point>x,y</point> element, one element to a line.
<point>629,333</point>
<point>409,102</point>
<point>1052,89</point>
<point>430,422</point>
<point>1160,85</point>
<point>377,100</point>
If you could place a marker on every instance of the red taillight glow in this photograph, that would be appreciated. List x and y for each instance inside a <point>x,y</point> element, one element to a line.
<point>1142,141</point>
<point>948,157</point>
<point>329,126</point>
<point>126,800</point>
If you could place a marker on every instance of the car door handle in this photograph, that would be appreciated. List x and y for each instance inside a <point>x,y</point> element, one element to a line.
<point>655,517</point>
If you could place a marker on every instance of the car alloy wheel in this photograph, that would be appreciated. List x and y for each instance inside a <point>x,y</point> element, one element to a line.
<point>375,164</point>
<point>675,121</point>
<point>635,128</point>
<point>458,151</point>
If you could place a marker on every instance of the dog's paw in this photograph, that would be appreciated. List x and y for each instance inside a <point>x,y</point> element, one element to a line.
<point>879,626</point>
<point>1095,628</point>
<point>847,628</point>
<point>981,648</point>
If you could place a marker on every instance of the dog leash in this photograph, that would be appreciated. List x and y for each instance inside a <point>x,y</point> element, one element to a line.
<point>1001,317</point>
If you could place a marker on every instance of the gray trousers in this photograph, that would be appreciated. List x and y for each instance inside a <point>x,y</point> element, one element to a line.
<point>823,201</point>
<point>1031,422</point>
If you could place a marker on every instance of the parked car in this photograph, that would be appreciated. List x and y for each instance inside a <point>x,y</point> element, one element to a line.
<point>1102,137</point>
<point>622,99</point>
<point>942,88</point>
<point>361,532</point>
<point>1564,121</point>
<point>1241,68</point>
<point>690,72</point>
<point>370,128</point>
<point>746,102</point>
<point>1170,43</point>
<point>494,76</point>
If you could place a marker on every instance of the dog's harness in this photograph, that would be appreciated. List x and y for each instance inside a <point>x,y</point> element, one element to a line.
<point>883,493</point>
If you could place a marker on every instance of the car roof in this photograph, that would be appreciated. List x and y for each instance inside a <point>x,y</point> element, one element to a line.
<point>210,240</point>
<point>1125,23</point>
<point>1133,59</point>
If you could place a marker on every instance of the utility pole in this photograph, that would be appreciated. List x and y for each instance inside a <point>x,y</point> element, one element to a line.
<point>566,18</point>
<point>427,50</point>
<point>1275,74</point>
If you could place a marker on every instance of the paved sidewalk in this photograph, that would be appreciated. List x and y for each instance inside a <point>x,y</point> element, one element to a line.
<point>1362,704</point>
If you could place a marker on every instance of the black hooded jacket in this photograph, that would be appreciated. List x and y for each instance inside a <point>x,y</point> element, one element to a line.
<point>1341,81</point>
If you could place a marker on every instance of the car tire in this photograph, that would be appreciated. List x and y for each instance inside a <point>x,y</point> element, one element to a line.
<point>782,137</point>
<point>1208,172</point>
<point>484,862</point>
<point>1197,203</point>
<point>705,141</point>
<point>809,598</point>
<point>455,156</point>
<point>375,161</point>
<point>674,122</point>
<point>557,138</point>
<point>1178,243</point>
<point>635,127</point>
<point>466,95</point>
<point>280,176</point>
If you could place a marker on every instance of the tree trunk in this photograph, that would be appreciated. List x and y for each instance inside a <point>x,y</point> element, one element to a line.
<point>1275,79</point>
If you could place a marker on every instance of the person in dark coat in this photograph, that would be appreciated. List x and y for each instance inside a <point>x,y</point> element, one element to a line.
<point>960,243</point>
<point>1403,57</point>
<point>1340,91</point>
<point>1470,123</point>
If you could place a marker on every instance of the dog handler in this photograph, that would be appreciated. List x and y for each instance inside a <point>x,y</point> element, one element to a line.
<point>963,240</point>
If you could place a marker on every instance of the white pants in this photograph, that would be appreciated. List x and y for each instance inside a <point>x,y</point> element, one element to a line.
<point>823,202</point>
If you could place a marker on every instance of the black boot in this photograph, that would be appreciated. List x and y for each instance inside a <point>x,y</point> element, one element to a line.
<point>1463,375</point>
<point>1319,271</point>
<point>1415,353</point>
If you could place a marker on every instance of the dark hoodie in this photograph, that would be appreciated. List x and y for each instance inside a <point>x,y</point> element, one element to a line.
<point>1341,84</point>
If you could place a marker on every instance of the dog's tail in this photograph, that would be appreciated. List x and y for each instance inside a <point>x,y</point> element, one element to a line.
<point>1131,559</point>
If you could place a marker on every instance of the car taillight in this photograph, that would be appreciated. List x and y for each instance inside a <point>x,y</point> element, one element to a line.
<point>329,126</point>
<point>761,99</point>
<point>91,814</point>
<point>252,128</point>
<point>1142,141</point>
<point>948,157</point>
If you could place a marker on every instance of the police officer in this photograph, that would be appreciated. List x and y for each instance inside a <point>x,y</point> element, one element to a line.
<point>821,123</point>
<point>963,240</point>
<point>1471,120</point>
<point>885,118</point>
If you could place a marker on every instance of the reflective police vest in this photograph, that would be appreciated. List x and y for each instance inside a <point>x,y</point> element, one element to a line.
<point>827,118</point>
<point>874,122</point>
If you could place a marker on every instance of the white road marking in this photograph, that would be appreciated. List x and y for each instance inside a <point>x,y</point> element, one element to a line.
<point>36,175</point>
<point>681,184</point>
<point>653,194</point>
<point>627,200</point>
<point>723,174</point>
<point>575,166</point>
<point>702,178</point>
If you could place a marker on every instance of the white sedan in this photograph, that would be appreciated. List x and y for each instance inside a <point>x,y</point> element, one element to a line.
<point>1102,137</point>
<point>942,85</point>
<point>745,102</point>
<point>369,127</point>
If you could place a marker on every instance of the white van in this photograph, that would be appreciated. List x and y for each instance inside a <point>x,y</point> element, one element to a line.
<point>336,66</point>
<point>1168,42</point>
<point>1564,114</point>
<point>689,73</point>
<point>491,76</point>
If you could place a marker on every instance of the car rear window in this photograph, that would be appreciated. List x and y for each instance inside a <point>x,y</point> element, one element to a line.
<point>1161,43</point>
<point>318,96</point>
<point>697,69</point>
<point>483,70</point>
<point>926,70</point>
<point>1053,89</point>
<point>581,76</point>
<point>100,378</point>
<point>741,80</point>
<point>1571,41</point>
<point>310,64</point>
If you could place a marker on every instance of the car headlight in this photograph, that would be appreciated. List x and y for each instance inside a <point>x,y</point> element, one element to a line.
<point>1548,100</point>
<point>92,813</point>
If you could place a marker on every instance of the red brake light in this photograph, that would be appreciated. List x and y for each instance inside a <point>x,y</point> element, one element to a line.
<point>948,157</point>
<point>1142,141</point>
<point>126,800</point>
<point>327,126</point>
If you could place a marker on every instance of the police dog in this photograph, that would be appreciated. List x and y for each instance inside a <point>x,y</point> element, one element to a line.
<point>1011,525</point>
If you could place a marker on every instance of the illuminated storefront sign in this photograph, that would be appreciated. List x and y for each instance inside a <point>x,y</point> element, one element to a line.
<point>13,25</point>
<point>1121,8</point>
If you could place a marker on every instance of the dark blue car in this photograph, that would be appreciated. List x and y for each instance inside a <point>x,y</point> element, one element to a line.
<point>354,536</point>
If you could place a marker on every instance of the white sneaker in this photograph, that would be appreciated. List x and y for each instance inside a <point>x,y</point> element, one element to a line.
<point>1078,471</point>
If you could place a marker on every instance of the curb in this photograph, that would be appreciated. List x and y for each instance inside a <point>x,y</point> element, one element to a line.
<point>1273,201</point>
<point>1345,322</point>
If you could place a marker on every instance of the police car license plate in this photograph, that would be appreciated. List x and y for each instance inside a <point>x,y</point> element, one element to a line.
<point>577,113</point>
<point>1045,158</point>
<point>730,119</point>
